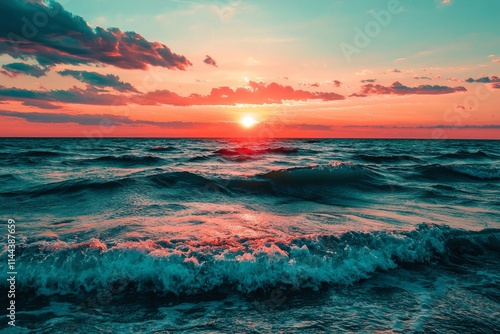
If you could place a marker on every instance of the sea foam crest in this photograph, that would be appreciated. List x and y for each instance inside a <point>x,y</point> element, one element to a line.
<point>246,265</point>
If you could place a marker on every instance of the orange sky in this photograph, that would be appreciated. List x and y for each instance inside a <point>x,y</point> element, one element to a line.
<point>315,72</point>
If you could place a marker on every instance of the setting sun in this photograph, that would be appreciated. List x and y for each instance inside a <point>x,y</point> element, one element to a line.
<point>248,121</point>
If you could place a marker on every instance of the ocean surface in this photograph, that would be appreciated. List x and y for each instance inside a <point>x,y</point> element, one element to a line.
<point>237,236</point>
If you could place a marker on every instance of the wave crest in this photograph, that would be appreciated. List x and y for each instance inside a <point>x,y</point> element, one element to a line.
<point>248,151</point>
<point>193,267</point>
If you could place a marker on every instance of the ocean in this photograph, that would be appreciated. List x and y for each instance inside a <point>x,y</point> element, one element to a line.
<point>240,236</point>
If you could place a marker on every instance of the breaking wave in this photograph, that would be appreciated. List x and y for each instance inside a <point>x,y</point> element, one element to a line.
<point>187,267</point>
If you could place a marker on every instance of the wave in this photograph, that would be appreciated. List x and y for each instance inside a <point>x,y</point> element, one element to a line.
<point>336,172</point>
<point>188,267</point>
<point>39,154</point>
<point>459,172</point>
<point>387,158</point>
<point>162,149</point>
<point>199,158</point>
<point>467,155</point>
<point>167,180</point>
<point>247,151</point>
<point>172,178</point>
<point>127,159</point>
<point>8,178</point>
<point>71,187</point>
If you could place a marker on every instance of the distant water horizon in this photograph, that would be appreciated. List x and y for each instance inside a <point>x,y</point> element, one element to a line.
<point>260,139</point>
<point>309,235</point>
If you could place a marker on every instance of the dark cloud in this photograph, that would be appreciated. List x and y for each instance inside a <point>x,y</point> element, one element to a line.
<point>99,80</point>
<point>368,80</point>
<point>488,126</point>
<point>88,119</point>
<point>399,89</point>
<point>210,61</point>
<point>395,70</point>
<point>41,104</point>
<point>15,69</point>
<point>52,35</point>
<point>337,83</point>
<point>308,127</point>
<point>491,79</point>
<point>496,85</point>
<point>114,120</point>
<point>72,95</point>
<point>357,95</point>
<point>422,78</point>
<point>256,93</point>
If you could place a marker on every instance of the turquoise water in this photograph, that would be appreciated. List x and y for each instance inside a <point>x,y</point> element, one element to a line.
<point>297,236</point>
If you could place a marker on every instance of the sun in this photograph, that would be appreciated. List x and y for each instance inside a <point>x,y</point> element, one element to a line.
<point>248,121</point>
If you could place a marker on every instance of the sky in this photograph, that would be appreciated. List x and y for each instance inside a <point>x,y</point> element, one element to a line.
<point>250,69</point>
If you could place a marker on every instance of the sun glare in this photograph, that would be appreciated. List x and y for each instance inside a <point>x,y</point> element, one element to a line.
<point>248,121</point>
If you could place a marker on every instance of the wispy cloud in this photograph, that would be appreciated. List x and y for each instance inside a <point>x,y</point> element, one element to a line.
<point>15,69</point>
<point>210,61</point>
<point>399,89</point>
<point>99,80</point>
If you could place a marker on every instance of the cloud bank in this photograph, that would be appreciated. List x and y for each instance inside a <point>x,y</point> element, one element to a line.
<point>255,93</point>
<point>398,88</point>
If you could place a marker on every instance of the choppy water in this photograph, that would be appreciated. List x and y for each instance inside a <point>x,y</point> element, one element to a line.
<point>297,236</point>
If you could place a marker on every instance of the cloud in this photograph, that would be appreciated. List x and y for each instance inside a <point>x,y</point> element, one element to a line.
<point>364,72</point>
<point>399,89</point>
<point>308,127</point>
<point>497,60</point>
<point>72,95</point>
<point>88,119</point>
<point>210,61</point>
<point>337,83</point>
<point>422,78</point>
<point>358,95</point>
<point>395,70</point>
<point>255,93</point>
<point>65,38</point>
<point>15,69</point>
<point>496,85</point>
<point>41,104</point>
<point>99,80</point>
<point>115,120</point>
<point>492,79</point>
<point>438,126</point>
<point>368,80</point>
